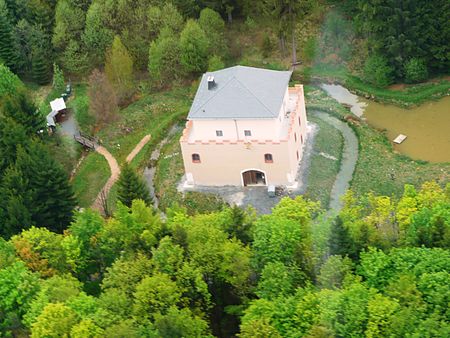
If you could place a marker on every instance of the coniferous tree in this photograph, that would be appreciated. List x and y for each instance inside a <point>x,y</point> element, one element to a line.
<point>8,52</point>
<point>58,83</point>
<point>131,187</point>
<point>340,242</point>
<point>40,66</point>
<point>22,110</point>
<point>12,136</point>
<point>52,198</point>
<point>14,204</point>
<point>239,225</point>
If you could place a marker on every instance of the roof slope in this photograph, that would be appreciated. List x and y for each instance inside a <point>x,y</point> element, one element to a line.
<point>240,92</point>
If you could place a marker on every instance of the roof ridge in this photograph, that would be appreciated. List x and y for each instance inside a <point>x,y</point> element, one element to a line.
<point>256,97</point>
<point>213,96</point>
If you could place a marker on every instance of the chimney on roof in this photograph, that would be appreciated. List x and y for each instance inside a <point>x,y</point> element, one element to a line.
<point>211,82</point>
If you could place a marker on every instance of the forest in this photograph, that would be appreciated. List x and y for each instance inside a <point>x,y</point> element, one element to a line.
<point>197,266</point>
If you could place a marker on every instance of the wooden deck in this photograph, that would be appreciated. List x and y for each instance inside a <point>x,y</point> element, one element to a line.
<point>86,141</point>
<point>400,138</point>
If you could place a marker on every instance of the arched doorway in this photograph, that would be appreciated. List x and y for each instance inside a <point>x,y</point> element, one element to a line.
<point>253,177</point>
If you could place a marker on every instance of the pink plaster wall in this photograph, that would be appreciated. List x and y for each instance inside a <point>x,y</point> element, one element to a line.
<point>224,158</point>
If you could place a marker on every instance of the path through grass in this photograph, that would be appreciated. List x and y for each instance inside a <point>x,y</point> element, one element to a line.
<point>169,170</point>
<point>323,169</point>
<point>90,178</point>
<point>153,114</point>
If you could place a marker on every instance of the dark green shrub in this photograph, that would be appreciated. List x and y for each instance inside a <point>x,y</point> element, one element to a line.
<point>415,71</point>
<point>215,63</point>
<point>197,202</point>
<point>267,45</point>
<point>377,71</point>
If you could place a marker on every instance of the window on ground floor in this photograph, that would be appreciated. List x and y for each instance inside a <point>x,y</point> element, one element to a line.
<point>247,133</point>
<point>219,133</point>
<point>297,155</point>
<point>268,158</point>
<point>196,158</point>
<point>295,137</point>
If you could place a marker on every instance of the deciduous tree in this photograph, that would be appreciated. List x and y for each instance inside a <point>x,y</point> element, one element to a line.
<point>119,69</point>
<point>164,58</point>
<point>212,24</point>
<point>9,82</point>
<point>97,37</point>
<point>377,71</point>
<point>193,48</point>
<point>102,99</point>
<point>56,320</point>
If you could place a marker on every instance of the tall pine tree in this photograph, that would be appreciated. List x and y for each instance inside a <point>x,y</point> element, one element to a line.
<point>22,110</point>
<point>131,187</point>
<point>40,66</point>
<point>12,135</point>
<point>15,214</point>
<point>340,242</point>
<point>52,199</point>
<point>8,52</point>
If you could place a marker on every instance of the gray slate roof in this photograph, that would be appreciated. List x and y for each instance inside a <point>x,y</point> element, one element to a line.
<point>240,93</point>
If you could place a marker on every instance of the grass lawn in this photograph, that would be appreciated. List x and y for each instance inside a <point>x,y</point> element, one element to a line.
<point>79,102</point>
<point>152,114</point>
<point>323,170</point>
<point>169,171</point>
<point>91,176</point>
<point>379,168</point>
<point>411,95</point>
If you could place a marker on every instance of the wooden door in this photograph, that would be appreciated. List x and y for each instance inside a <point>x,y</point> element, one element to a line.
<point>249,177</point>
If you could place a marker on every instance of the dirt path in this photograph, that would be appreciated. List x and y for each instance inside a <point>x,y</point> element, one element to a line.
<point>115,171</point>
<point>348,163</point>
<point>138,148</point>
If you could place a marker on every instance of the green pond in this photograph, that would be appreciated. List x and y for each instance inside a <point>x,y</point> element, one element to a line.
<point>427,127</point>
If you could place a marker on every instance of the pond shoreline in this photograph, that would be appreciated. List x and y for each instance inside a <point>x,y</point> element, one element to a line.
<point>426,126</point>
<point>412,96</point>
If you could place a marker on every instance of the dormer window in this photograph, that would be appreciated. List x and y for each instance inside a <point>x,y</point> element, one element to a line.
<point>219,133</point>
<point>247,133</point>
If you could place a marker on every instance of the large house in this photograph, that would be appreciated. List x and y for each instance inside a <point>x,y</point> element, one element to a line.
<point>245,127</point>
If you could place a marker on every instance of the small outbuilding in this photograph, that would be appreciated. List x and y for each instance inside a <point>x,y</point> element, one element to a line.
<point>58,107</point>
